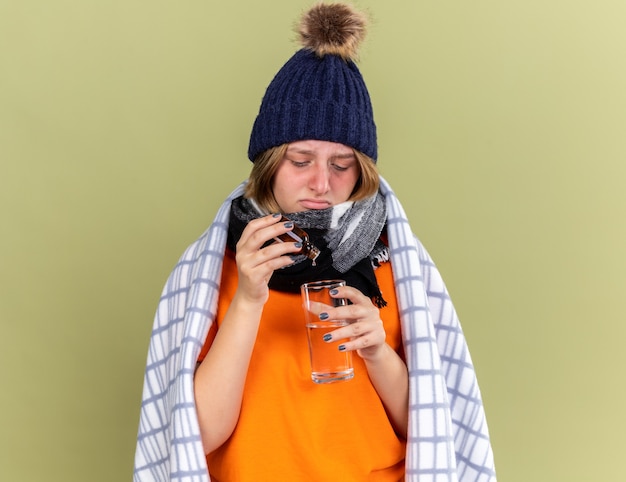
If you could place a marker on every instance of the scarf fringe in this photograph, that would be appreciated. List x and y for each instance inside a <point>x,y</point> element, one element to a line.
<point>379,301</point>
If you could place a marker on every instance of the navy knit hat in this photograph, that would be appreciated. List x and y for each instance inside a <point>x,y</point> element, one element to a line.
<point>319,93</point>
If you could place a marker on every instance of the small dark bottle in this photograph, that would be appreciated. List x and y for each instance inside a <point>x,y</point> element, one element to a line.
<point>299,235</point>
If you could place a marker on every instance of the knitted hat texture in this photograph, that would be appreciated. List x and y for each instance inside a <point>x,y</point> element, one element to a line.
<point>319,93</point>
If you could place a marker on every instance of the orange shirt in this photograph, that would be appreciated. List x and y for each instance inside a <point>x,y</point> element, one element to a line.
<point>291,428</point>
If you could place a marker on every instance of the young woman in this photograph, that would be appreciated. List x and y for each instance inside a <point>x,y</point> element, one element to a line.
<point>228,374</point>
<point>310,179</point>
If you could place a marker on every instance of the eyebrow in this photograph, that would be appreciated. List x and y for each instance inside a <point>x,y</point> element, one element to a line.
<point>342,155</point>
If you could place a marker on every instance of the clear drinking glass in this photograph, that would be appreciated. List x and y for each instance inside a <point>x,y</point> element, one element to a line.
<point>328,364</point>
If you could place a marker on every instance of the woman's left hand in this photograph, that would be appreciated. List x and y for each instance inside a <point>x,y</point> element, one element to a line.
<point>365,333</point>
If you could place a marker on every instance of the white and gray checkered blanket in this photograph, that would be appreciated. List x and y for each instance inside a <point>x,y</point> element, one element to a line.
<point>448,438</point>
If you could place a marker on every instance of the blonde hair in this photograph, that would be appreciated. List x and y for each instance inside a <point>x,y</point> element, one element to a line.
<point>259,185</point>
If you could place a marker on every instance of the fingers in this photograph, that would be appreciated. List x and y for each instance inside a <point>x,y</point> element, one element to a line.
<point>256,263</point>
<point>257,233</point>
<point>358,336</point>
<point>360,309</point>
<point>365,333</point>
<point>260,231</point>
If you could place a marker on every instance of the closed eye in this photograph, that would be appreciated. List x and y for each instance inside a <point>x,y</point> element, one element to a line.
<point>339,168</point>
<point>299,163</point>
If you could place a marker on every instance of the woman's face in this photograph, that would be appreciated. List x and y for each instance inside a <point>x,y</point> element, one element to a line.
<point>315,175</point>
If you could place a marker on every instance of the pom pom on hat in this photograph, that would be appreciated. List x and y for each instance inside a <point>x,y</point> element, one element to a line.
<point>332,29</point>
<point>319,93</point>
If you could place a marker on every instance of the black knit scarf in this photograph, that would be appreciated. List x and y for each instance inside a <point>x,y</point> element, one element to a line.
<point>348,236</point>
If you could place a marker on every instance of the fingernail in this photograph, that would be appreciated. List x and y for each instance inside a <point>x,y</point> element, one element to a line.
<point>334,291</point>
<point>297,244</point>
<point>276,215</point>
<point>323,316</point>
<point>327,337</point>
<point>289,225</point>
<point>342,347</point>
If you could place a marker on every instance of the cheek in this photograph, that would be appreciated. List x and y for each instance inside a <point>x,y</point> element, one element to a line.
<point>278,181</point>
<point>284,183</point>
<point>284,188</point>
<point>346,185</point>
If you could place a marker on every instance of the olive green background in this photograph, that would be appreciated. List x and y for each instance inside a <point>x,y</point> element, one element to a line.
<point>123,124</point>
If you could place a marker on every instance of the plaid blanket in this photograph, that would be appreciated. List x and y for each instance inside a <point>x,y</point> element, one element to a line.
<point>448,438</point>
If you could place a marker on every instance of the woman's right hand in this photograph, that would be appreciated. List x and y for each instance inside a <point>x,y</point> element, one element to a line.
<point>256,264</point>
<point>220,378</point>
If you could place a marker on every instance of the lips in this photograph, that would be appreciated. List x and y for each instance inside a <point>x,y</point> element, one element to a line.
<point>315,203</point>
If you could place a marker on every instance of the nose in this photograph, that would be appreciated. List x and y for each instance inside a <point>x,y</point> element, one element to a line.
<point>319,181</point>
